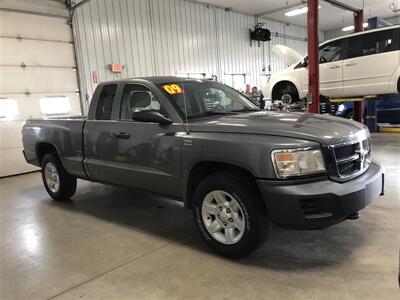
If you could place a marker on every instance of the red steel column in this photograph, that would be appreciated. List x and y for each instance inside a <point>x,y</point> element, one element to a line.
<point>313,54</point>
<point>359,105</point>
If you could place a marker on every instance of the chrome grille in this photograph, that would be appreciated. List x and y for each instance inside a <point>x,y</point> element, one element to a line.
<point>350,159</point>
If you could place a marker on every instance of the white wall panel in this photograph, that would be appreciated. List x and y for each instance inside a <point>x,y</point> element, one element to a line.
<point>40,27</point>
<point>36,53</point>
<point>53,7</point>
<point>37,80</point>
<point>161,37</point>
<point>12,160</point>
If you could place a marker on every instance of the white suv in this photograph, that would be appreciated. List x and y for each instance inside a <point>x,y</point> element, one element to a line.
<point>364,63</point>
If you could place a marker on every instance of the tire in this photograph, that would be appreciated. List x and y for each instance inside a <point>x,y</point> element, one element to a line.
<point>248,212</point>
<point>350,115</point>
<point>59,184</point>
<point>288,94</point>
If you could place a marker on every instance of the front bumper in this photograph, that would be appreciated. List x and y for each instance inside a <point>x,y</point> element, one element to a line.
<point>322,203</point>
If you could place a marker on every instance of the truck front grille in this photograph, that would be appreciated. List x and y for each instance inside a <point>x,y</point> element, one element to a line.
<point>350,159</point>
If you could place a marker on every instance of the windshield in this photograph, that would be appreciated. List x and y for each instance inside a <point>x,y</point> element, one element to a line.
<point>200,98</point>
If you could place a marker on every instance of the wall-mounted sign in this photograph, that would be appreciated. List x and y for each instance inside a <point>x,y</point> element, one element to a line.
<point>116,68</point>
<point>94,77</point>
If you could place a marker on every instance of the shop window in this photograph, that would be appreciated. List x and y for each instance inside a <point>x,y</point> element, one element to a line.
<point>58,105</point>
<point>237,81</point>
<point>8,109</point>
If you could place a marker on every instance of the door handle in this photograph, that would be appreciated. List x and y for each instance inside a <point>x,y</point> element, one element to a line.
<point>334,67</point>
<point>352,63</point>
<point>121,135</point>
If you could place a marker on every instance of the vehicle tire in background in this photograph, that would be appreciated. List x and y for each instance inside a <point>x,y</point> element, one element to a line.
<point>287,93</point>
<point>350,115</point>
<point>59,184</point>
<point>230,214</point>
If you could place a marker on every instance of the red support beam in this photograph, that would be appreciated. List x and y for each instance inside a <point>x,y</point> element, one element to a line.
<point>358,106</point>
<point>313,54</point>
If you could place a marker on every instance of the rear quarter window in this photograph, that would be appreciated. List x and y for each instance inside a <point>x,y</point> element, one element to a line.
<point>373,43</point>
<point>105,103</point>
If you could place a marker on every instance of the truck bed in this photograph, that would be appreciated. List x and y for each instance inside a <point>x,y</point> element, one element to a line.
<point>65,134</point>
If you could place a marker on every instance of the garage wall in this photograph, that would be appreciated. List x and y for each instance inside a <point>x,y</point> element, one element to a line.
<point>162,37</point>
<point>36,62</point>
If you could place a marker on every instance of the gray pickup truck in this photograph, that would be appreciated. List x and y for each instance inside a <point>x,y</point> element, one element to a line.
<point>238,168</point>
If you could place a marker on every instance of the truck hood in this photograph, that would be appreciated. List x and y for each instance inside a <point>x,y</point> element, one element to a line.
<point>288,55</point>
<point>326,130</point>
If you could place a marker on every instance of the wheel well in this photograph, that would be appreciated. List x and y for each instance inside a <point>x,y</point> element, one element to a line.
<point>42,149</point>
<point>281,86</point>
<point>203,169</point>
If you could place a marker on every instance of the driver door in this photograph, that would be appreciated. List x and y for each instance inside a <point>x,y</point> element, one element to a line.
<point>148,155</point>
<point>330,70</point>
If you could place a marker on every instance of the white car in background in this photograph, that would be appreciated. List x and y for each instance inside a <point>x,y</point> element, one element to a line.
<point>364,63</point>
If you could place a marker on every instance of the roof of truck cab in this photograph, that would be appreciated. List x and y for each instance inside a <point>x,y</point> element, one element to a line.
<point>161,79</point>
<point>153,79</point>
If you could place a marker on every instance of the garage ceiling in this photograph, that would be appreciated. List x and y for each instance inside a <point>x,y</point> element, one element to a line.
<point>330,17</point>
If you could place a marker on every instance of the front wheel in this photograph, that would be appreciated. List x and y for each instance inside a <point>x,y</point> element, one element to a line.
<point>58,183</point>
<point>230,215</point>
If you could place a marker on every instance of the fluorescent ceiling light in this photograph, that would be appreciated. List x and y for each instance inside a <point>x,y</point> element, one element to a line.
<point>297,11</point>
<point>351,27</point>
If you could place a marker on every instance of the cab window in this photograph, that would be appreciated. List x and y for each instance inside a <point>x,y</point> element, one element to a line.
<point>105,103</point>
<point>136,98</point>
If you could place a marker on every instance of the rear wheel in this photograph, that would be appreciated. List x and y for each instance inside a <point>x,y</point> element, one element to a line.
<point>230,215</point>
<point>59,184</point>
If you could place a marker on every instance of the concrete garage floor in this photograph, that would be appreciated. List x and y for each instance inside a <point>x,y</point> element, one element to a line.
<point>115,244</point>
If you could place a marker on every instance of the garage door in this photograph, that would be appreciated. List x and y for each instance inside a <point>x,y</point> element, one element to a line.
<point>38,79</point>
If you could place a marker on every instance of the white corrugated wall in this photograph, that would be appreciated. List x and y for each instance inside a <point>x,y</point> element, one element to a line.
<point>162,37</point>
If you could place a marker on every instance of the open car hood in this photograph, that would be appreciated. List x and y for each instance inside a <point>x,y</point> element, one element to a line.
<point>288,55</point>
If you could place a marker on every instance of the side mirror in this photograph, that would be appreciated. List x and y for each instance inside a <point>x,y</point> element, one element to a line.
<point>153,116</point>
<point>305,63</point>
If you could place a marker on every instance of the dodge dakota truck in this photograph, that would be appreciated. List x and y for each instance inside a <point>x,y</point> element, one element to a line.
<point>238,168</point>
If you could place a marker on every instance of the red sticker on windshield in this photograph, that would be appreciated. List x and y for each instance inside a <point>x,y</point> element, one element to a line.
<point>173,89</point>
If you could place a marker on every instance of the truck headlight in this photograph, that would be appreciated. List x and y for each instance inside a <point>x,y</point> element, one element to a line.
<point>297,162</point>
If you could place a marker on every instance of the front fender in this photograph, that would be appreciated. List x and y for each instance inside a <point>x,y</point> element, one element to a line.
<point>293,76</point>
<point>251,152</point>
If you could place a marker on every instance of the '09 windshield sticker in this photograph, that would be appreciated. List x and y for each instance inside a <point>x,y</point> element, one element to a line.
<point>173,89</point>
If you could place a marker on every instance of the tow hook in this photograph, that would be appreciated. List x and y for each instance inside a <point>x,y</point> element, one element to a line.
<point>354,216</point>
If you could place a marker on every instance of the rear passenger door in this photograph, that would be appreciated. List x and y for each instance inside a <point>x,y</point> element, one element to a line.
<point>370,61</point>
